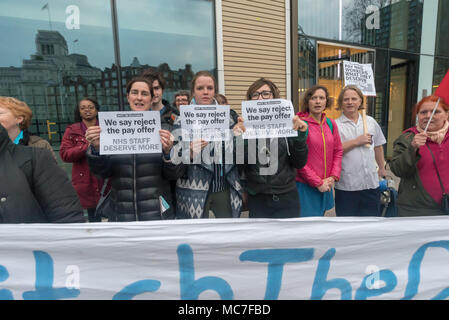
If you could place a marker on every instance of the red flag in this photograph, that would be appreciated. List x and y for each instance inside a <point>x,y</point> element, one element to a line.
<point>443,89</point>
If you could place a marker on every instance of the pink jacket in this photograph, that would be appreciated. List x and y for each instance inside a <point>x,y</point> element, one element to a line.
<point>325,152</point>
<point>426,167</point>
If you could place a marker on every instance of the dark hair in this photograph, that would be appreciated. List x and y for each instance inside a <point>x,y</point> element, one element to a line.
<point>77,108</point>
<point>308,95</point>
<point>139,79</point>
<point>181,93</point>
<point>221,99</point>
<point>154,75</point>
<point>342,93</point>
<point>259,83</point>
<point>202,74</point>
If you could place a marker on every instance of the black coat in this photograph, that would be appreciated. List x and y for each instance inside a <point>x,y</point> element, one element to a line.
<point>291,155</point>
<point>137,182</point>
<point>33,189</point>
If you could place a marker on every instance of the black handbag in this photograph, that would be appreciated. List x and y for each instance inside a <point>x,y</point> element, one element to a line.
<point>104,208</point>
<point>445,199</point>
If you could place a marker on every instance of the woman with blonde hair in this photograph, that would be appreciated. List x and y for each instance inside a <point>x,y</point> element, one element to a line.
<point>357,193</point>
<point>206,186</point>
<point>15,116</point>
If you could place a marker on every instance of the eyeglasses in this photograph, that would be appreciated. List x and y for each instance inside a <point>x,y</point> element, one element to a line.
<point>87,108</point>
<point>264,94</point>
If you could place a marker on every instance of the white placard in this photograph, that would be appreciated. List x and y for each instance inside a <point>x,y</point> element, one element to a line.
<point>206,122</point>
<point>268,119</point>
<point>130,132</point>
<point>251,259</point>
<point>360,75</point>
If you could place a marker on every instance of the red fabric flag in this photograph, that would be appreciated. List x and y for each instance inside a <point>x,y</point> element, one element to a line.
<point>443,89</point>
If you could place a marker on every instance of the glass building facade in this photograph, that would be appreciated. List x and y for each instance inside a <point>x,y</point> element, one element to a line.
<point>391,35</point>
<point>55,52</point>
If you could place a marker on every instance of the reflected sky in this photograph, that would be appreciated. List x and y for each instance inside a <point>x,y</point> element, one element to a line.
<point>155,31</point>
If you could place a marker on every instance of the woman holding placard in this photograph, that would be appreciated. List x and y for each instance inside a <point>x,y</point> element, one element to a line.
<point>273,195</point>
<point>73,150</point>
<point>420,159</point>
<point>357,193</point>
<point>139,182</point>
<point>315,181</point>
<point>205,186</point>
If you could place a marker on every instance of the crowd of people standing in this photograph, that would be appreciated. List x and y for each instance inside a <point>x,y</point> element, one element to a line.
<point>327,163</point>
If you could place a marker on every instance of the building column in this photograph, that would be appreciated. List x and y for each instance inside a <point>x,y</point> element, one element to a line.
<point>427,57</point>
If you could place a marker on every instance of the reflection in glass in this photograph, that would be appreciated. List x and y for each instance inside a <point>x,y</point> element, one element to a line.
<point>176,37</point>
<point>330,68</point>
<point>440,69</point>
<point>381,23</point>
<point>50,62</point>
<point>442,40</point>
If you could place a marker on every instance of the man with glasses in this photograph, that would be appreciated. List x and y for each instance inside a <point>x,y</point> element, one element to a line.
<point>181,98</point>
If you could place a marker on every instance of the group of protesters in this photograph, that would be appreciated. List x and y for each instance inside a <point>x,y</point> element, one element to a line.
<point>327,163</point>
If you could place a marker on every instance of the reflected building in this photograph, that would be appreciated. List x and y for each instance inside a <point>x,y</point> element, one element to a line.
<point>52,81</point>
<point>400,24</point>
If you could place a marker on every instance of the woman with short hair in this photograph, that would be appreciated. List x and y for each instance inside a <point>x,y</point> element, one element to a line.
<point>15,116</point>
<point>274,195</point>
<point>315,181</point>
<point>420,159</point>
<point>73,150</point>
<point>139,182</point>
<point>204,186</point>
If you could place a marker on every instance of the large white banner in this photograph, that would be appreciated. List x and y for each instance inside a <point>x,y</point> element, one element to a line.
<point>304,258</point>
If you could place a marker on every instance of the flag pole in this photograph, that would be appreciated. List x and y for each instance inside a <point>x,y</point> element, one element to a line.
<point>47,6</point>
<point>49,18</point>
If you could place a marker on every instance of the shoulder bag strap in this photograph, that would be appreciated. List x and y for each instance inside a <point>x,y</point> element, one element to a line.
<point>436,168</point>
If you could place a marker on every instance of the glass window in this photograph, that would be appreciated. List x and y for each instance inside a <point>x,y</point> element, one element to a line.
<point>43,47</point>
<point>440,69</point>
<point>392,24</point>
<point>442,40</point>
<point>174,36</point>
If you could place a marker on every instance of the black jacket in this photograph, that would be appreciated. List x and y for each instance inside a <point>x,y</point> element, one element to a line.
<point>291,155</point>
<point>33,189</point>
<point>168,115</point>
<point>137,182</point>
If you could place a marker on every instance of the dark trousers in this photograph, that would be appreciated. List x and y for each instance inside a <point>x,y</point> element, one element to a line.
<point>364,203</point>
<point>284,205</point>
<point>92,216</point>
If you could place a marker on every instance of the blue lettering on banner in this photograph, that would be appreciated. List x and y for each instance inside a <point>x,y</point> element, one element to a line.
<point>136,288</point>
<point>414,268</point>
<point>276,258</point>
<point>44,281</point>
<point>383,275</point>
<point>5,294</point>
<point>321,285</point>
<point>191,288</point>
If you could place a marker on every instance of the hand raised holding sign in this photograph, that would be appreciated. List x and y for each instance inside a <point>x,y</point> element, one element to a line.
<point>196,146</point>
<point>166,140</point>
<point>239,128</point>
<point>299,125</point>
<point>93,136</point>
